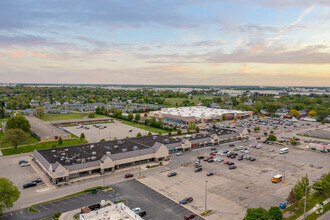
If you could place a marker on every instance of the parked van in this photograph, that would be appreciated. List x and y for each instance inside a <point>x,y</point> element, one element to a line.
<point>284,150</point>
<point>277,178</point>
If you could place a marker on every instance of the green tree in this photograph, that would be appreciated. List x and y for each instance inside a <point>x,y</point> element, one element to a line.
<point>292,198</point>
<point>272,132</point>
<point>249,130</point>
<point>60,141</point>
<point>271,108</point>
<point>197,129</point>
<point>18,122</point>
<point>40,112</point>
<point>130,116</point>
<point>145,115</point>
<point>214,122</point>
<point>300,186</point>
<point>258,106</point>
<point>322,186</point>
<point>91,115</point>
<point>169,133</point>
<point>256,213</point>
<point>9,194</point>
<point>102,140</point>
<point>82,136</point>
<point>265,133</point>
<point>224,117</point>
<point>115,138</point>
<point>179,132</point>
<point>137,117</point>
<point>192,126</point>
<point>271,138</point>
<point>149,134</point>
<point>15,137</point>
<point>2,113</point>
<point>275,213</point>
<point>139,135</point>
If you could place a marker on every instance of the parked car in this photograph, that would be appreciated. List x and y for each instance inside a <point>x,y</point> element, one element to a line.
<point>128,175</point>
<point>179,153</point>
<point>186,200</point>
<point>130,130</point>
<point>241,157</point>
<point>226,162</point>
<point>230,163</point>
<point>213,154</point>
<point>221,153</point>
<point>210,161</point>
<point>200,157</point>
<point>137,209</point>
<point>190,216</point>
<point>198,169</point>
<point>252,159</point>
<point>212,149</point>
<point>258,138</point>
<point>226,151</point>
<point>219,159</point>
<point>258,146</point>
<point>28,185</point>
<point>25,164</point>
<point>236,149</point>
<point>38,180</point>
<point>209,174</point>
<point>232,167</point>
<point>231,145</point>
<point>22,161</point>
<point>172,174</point>
<point>141,213</point>
<point>271,150</point>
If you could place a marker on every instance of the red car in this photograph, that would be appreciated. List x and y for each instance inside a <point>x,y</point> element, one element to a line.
<point>226,162</point>
<point>190,216</point>
<point>213,154</point>
<point>128,175</point>
<point>208,158</point>
<point>296,139</point>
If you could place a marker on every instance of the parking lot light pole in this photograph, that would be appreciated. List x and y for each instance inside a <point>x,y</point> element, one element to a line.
<point>284,169</point>
<point>205,195</point>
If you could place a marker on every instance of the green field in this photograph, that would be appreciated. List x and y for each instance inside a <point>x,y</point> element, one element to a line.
<point>39,146</point>
<point>144,127</point>
<point>171,102</point>
<point>31,140</point>
<point>56,117</point>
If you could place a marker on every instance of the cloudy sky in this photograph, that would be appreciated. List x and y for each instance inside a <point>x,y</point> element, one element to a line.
<point>208,42</point>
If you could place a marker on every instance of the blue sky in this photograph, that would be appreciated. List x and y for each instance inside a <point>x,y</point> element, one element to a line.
<point>215,42</point>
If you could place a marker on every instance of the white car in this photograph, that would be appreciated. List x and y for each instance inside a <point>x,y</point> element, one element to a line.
<point>179,153</point>
<point>221,153</point>
<point>25,164</point>
<point>219,159</point>
<point>246,152</point>
<point>137,209</point>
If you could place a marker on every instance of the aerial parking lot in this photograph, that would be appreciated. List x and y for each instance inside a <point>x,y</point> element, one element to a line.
<point>231,192</point>
<point>106,131</point>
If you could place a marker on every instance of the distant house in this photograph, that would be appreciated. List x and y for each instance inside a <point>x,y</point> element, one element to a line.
<point>34,103</point>
<point>29,111</point>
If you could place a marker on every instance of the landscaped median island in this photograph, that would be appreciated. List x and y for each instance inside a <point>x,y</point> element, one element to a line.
<point>206,212</point>
<point>56,117</point>
<point>33,210</point>
<point>40,146</point>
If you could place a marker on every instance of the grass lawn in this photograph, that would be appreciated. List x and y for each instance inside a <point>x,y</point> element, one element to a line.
<point>171,102</point>
<point>144,127</point>
<point>314,216</point>
<point>312,200</point>
<point>3,119</point>
<point>56,117</point>
<point>39,146</point>
<point>31,140</point>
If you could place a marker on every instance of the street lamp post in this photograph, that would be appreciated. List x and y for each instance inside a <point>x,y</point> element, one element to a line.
<point>305,203</point>
<point>284,169</point>
<point>205,195</point>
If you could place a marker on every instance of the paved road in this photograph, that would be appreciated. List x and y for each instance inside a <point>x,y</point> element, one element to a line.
<point>157,206</point>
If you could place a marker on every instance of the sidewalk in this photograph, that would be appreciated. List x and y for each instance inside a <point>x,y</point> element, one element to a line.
<point>313,209</point>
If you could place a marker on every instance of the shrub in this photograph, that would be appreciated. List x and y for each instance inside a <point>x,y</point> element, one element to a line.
<point>57,214</point>
<point>148,166</point>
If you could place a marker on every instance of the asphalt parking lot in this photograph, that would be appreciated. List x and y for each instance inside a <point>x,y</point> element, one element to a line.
<point>64,205</point>
<point>231,192</point>
<point>155,204</point>
<point>112,130</point>
<point>19,175</point>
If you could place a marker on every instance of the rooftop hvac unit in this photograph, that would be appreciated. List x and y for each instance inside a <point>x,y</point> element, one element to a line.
<point>78,160</point>
<point>63,154</point>
<point>154,137</point>
<point>93,158</point>
<point>93,153</point>
<point>53,151</point>
<point>135,148</point>
<point>108,153</point>
<point>116,146</point>
<point>124,150</point>
<point>92,146</point>
<point>88,158</point>
<point>83,160</point>
<point>66,150</point>
<point>62,158</point>
<point>228,132</point>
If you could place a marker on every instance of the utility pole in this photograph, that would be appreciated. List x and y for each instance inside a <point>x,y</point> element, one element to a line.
<point>284,169</point>
<point>305,203</point>
<point>104,179</point>
<point>205,196</point>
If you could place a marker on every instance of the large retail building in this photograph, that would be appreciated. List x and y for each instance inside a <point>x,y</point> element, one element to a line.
<point>198,114</point>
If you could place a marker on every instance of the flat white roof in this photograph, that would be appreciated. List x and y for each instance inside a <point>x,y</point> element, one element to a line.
<point>199,111</point>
